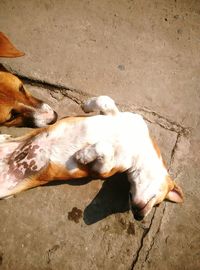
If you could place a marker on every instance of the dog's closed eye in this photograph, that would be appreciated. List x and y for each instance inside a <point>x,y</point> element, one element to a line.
<point>22,89</point>
<point>13,114</point>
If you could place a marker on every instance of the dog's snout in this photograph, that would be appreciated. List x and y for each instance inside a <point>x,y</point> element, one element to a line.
<point>137,207</point>
<point>135,204</point>
<point>137,211</point>
<point>141,208</point>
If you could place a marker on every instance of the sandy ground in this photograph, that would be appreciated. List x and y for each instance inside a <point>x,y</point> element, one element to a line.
<point>145,55</point>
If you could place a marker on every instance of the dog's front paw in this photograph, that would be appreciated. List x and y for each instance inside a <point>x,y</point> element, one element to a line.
<point>80,157</point>
<point>86,155</point>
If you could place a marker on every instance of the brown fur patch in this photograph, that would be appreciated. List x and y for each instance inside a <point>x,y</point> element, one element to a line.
<point>22,162</point>
<point>51,172</point>
<point>170,182</point>
<point>58,172</point>
<point>157,149</point>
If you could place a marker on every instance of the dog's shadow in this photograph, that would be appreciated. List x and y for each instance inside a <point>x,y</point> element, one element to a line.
<point>111,198</point>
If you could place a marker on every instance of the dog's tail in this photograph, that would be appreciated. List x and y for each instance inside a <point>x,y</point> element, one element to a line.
<point>104,104</point>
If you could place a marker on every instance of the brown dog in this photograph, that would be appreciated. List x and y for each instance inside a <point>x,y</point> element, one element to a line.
<point>17,106</point>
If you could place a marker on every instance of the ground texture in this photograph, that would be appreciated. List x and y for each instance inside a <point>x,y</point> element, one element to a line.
<point>145,55</point>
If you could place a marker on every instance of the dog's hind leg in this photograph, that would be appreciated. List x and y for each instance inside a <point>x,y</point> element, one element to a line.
<point>104,104</point>
<point>21,163</point>
<point>100,156</point>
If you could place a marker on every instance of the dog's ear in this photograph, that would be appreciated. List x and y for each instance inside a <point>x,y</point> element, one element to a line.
<point>175,195</point>
<point>7,49</point>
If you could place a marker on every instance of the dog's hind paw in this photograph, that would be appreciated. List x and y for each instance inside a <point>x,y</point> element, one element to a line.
<point>104,104</point>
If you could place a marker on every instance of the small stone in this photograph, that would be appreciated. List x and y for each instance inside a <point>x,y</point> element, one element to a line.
<point>121,67</point>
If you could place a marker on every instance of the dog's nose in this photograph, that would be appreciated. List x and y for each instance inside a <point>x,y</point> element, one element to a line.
<point>137,211</point>
<point>138,216</point>
<point>137,208</point>
<point>55,117</point>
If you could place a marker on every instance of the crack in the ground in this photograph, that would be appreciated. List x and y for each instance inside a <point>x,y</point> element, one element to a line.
<point>175,148</point>
<point>158,119</point>
<point>50,252</point>
<point>137,256</point>
<point>53,250</point>
<point>166,123</point>
<point>146,231</point>
<point>135,260</point>
<point>154,237</point>
<point>78,96</point>
<point>72,97</point>
<point>51,94</point>
<point>50,86</point>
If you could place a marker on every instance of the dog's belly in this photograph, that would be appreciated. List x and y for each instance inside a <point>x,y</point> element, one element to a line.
<point>124,132</point>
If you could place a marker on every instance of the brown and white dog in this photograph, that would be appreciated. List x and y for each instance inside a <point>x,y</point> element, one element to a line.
<point>17,106</point>
<point>75,147</point>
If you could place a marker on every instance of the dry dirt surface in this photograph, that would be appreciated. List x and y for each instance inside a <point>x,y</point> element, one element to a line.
<point>146,55</point>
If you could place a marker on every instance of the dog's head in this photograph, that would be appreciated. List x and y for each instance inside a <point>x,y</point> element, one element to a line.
<point>151,184</point>
<point>144,197</point>
<point>19,108</point>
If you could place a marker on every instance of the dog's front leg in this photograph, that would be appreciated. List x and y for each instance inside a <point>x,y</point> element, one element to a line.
<point>101,155</point>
